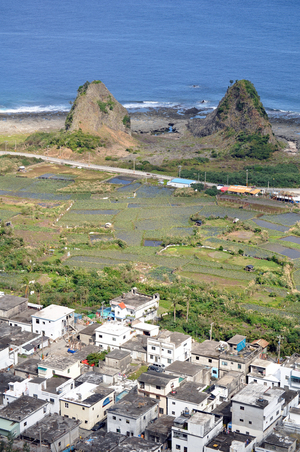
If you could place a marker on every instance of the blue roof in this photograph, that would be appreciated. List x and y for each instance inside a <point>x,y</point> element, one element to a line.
<point>178,180</point>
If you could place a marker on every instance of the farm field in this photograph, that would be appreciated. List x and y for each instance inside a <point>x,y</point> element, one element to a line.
<point>70,226</point>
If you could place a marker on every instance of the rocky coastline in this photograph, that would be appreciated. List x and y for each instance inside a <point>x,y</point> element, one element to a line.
<point>152,121</point>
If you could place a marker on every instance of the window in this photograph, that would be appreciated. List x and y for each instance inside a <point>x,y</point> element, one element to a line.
<point>114,418</point>
<point>173,403</point>
<point>170,351</point>
<point>44,323</point>
<point>35,396</point>
<point>158,398</point>
<point>66,405</point>
<point>128,433</point>
<point>59,443</point>
<point>177,446</point>
<point>85,422</point>
<point>127,421</point>
<point>151,356</point>
<point>241,420</point>
<point>157,387</point>
<point>161,411</point>
<point>114,339</point>
<point>247,433</point>
<point>118,430</point>
<point>37,321</point>
<point>250,422</point>
<point>237,431</point>
<point>210,360</point>
<point>152,348</point>
<point>255,381</point>
<point>242,407</point>
<point>124,337</point>
<point>173,412</point>
<point>25,423</point>
<point>277,412</point>
<point>239,366</point>
<point>100,336</point>
<point>169,361</point>
<point>142,385</point>
<point>84,408</point>
<point>45,409</point>
<point>51,400</point>
<point>271,418</point>
<point>224,363</point>
<point>197,358</point>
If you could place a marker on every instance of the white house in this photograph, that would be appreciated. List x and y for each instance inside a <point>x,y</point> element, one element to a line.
<point>112,335</point>
<point>134,305</point>
<point>255,410</point>
<point>193,431</point>
<point>63,366</point>
<point>131,415</point>
<point>264,372</point>
<point>53,321</point>
<point>188,397</point>
<point>168,347</point>
<point>178,182</point>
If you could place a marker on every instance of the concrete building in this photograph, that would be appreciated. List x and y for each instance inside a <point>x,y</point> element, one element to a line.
<point>168,347</point>
<point>145,328</point>
<point>57,432</point>
<point>291,422</point>
<point>113,335</point>
<point>192,432</point>
<point>53,321</point>
<point>157,386</point>
<point>239,356</point>
<point>231,442</point>
<point>278,441</point>
<point>90,377</point>
<point>160,431</point>
<point>134,305</point>
<point>190,372</point>
<point>21,414</point>
<point>118,359</point>
<point>50,389</point>
<point>88,334</point>
<point>227,386</point>
<point>255,410</point>
<point>137,346</point>
<point>188,397</point>
<point>178,182</point>
<point>290,373</point>
<point>10,305</point>
<point>63,366</point>
<point>88,403</point>
<point>264,372</point>
<point>207,353</point>
<point>28,368</point>
<point>134,443</point>
<point>131,415</point>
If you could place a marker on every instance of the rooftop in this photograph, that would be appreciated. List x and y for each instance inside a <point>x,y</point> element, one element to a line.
<point>156,378</point>
<point>51,383</point>
<point>228,378</point>
<point>170,337</point>
<point>224,409</point>
<point>262,342</point>
<point>293,361</point>
<point>189,392</point>
<point>8,302</point>
<point>21,408</point>
<point>134,443</point>
<point>24,316</point>
<point>179,180</point>
<point>132,298</point>
<point>90,377</point>
<point>115,328</point>
<point>261,363</point>
<point>53,312</point>
<point>16,338</point>
<point>277,438</point>
<point>133,405</point>
<point>235,340</point>
<point>88,394</point>
<point>53,427</point>
<point>59,362</point>
<point>185,368</point>
<point>137,344</point>
<point>106,442</point>
<point>145,326</point>
<point>30,366</point>
<point>6,378</point>
<point>223,441</point>
<point>257,395</point>
<point>161,425</point>
<point>207,348</point>
<point>117,354</point>
<point>90,330</point>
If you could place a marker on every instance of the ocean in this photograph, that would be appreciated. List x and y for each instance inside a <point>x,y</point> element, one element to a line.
<point>148,54</point>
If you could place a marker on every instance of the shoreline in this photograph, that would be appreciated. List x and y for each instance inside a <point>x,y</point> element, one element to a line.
<point>285,127</point>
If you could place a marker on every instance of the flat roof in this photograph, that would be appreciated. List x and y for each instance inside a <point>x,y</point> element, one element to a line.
<point>30,366</point>
<point>189,392</point>
<point>162,425</point>
<point>173,337</point>
<point>223,441</point>
<point>277,438</point>
<point>90,330</point>
<point>106,442</point>
<point>185,368</point>
<point>156,378</point>
<point>145,326</point>
<point>133,405</point>
<point>228,378</point>
<point>179,180</point>
<point>117,354</point>
<point>23,317</point>
<point>53,312</point>
<point>59,362</point>
<point>261,363</point>
<point>135,443</point>
<point>235,340</point>
<point>132,299</point>
<point>90,377</point>
<point>21,408</point>
<point>113,327</point>
<point>207,348</point>
<point>87,394</point>
<point>53,427</point>
<point>136,344</point>
<point>8,302</point>
<point>6,378</point>
<point>257,395</point>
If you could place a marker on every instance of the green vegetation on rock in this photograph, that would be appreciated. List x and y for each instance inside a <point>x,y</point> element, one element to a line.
<point>78,141</point>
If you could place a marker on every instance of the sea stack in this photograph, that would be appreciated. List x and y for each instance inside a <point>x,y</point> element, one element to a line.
<point>96,111</point>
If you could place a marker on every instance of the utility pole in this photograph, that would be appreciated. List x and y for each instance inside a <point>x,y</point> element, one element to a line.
<point>179,170</point>
<point>205,179</point>
<point>102,309</point>
<point>210,331</point>
<point>134,164</point>
<point>246,178</point>
<point>279,337</point>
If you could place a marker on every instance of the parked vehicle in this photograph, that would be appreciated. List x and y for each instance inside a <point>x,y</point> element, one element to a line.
<point>157,367</point>
<point>99,425</point>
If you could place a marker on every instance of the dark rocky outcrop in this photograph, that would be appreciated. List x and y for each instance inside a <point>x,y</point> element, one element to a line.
<point>240,110</point>
<point>96,111</point>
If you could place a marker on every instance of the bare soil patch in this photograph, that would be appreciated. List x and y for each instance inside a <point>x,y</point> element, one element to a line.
<point>241,235</point>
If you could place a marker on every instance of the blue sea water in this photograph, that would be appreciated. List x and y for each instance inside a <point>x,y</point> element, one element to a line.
<point>150,53</point>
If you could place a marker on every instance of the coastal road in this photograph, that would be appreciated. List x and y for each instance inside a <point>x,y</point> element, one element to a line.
<point>128,172</point>
<point>109,169</point>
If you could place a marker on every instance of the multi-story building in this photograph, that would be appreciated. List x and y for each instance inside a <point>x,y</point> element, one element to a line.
<point>134,305</point>
<point>112,335</point>
<point>231,442</point>
<point>53,321</point>
<point>188,397</point>
<point>168,347</point>
<point>264,372</point>
<point>207,353</point>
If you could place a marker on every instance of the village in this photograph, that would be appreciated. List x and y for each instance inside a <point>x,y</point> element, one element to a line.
<point>155,390</point>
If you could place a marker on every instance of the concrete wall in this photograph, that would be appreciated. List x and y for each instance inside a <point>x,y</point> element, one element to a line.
<point>124,424</point>
<point>66,440</point>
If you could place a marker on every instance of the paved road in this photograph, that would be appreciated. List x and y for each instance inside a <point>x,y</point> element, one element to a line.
<point>109,169</point>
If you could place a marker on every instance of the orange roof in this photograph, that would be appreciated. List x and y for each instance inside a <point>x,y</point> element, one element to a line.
<point>262,342</point>
<point>122,305</point>
<point>255,191</point>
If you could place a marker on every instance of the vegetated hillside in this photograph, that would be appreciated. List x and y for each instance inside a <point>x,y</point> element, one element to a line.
<point>243,120</point>
<point>97,112</point>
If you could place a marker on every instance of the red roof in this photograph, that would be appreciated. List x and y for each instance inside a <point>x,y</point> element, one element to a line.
<point>122,305</point>
<point>262,342</point>
<point>223,189</point>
